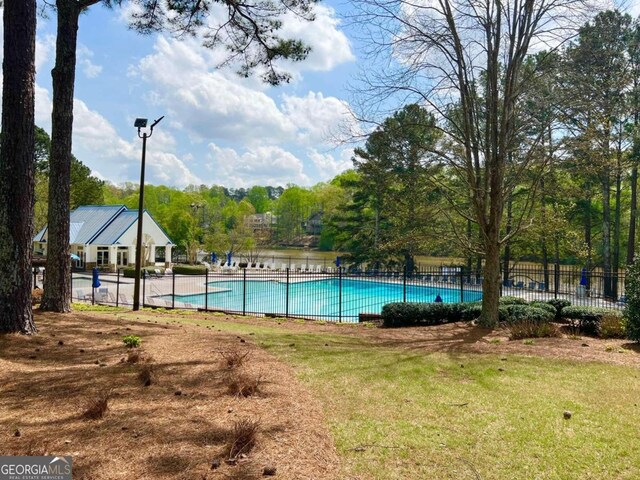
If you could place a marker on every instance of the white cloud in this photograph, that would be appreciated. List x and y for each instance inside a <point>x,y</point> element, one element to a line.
<point>208,104</point>
<point>260,166</point>
<point>330,47</point>
<point>328,165</point>
<point>318,118</point>
<point>85,55</point>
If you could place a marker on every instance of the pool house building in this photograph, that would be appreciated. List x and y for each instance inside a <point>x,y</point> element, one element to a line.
<point>104,236</point>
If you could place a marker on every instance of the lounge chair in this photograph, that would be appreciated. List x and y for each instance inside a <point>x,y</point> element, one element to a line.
<point>80,295</point>
<point>103,295</point>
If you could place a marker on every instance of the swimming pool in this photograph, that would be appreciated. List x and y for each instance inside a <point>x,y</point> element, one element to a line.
<point>325,298</point>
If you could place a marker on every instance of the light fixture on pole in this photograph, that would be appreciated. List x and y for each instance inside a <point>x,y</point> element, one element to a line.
<point>141,123</point>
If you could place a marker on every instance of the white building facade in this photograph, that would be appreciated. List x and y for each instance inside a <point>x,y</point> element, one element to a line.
<point>104,236</point>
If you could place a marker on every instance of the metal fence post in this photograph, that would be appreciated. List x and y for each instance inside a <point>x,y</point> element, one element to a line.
<point>461,286</point>
<point>286,311</point>
<point>244,291</point>
<point>173,289</point>
<point>206,290</point>
<point>340,294</point>
<point>144,284</point>
<point>117,286</point>
<point>404,284</point>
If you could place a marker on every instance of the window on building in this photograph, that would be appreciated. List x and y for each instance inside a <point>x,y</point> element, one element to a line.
<point>160,254</point>
<point>103,256</point>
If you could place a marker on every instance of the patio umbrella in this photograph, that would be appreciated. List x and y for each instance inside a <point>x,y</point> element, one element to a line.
<point>75,257</point>
<point>229,257</point>
<point>583,278</point>
<point>338,261</point>
<point>214,257</point>
<point>95,278</point>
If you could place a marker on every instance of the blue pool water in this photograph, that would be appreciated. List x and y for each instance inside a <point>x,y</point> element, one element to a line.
<point>318,298</point>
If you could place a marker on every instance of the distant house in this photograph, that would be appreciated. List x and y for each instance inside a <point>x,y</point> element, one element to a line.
<point>105,236</point>
<point>261,221</point>
<point>313,225</point>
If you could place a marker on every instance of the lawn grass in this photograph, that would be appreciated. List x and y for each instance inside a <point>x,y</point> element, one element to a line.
<point>414,415</point>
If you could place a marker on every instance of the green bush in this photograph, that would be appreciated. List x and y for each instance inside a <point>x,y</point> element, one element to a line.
<point>189,269</point>
<point>472,311</point>
<point>546,307</point>
<point>559,304</point>
<point>504,301</point>
<point>632,308</point>
<point>132,341</point>
<point>528,313</point>
<point>130,272</point>
<point>588,319</point>
<point>407,314</point>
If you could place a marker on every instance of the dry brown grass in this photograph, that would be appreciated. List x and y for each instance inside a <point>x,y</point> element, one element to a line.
<point>243,383</point>
<point>244,471</point>
<point>137,355</point>
<point>243,437</point>
<point>147,374</point>
<point>97,407</point>
<point>234,358</point>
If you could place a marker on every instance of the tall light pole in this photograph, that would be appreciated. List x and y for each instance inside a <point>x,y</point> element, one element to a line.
<point>141,123</point>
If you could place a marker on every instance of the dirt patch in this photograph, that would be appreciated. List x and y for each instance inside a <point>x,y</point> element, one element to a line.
<point>177,427</point>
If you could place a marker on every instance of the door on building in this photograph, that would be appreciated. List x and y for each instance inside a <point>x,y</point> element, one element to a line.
<point>123,257</point>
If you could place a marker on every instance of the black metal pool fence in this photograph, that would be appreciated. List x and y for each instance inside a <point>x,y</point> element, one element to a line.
<point>170,290</point>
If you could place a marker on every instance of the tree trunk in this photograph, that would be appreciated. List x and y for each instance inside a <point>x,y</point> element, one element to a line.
<point>616,226</point>
<point>606,235</point>
<point>17,167</point>
<point>631,244</point>
<point>57,286</point>
<point>491,286</point>
<point>545,250</point>
<point>507,248</point>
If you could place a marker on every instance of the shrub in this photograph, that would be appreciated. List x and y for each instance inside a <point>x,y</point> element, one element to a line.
<point>546,307</point>
<point>97,407</point>
<point>559,304</point>
<point>527,313</point>
<point>472,310</point>
<point>587,319</point>
<point>132,341</point>
<point>504,301</point>
<point>130,272</point>
<point>406,314</point>
<point>632,308</point>
<point>189,269</point>
<point>612,326</point>
<point>532,329</point>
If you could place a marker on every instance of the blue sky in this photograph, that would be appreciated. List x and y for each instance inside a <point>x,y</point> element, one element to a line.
<point>218,128</point>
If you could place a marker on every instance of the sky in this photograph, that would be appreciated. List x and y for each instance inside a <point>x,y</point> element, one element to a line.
<point>218,128</point>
